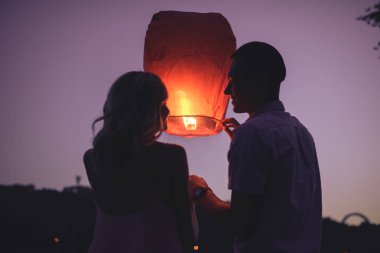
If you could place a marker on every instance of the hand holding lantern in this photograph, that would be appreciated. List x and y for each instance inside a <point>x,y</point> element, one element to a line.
<point>230,125</point>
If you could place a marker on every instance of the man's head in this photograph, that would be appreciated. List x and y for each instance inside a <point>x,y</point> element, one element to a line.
<point>256,73</point>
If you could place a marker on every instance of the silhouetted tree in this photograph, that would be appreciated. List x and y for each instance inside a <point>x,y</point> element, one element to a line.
<point>372,17</point>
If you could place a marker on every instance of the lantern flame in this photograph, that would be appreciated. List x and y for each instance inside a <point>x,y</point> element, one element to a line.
<point>190,123</point>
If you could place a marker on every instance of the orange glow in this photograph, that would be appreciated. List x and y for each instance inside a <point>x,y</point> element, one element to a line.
<point>184,106</point>
<point>191,53</point>
<point>196,247</point>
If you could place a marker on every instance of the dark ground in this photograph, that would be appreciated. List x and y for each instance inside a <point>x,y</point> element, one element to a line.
<point>47,221</point>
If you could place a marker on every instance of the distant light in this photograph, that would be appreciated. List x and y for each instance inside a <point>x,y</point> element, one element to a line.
<point>56,240</point>
<point>196,247</point>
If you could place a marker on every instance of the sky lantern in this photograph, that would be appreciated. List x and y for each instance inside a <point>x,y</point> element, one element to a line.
<point>191,53</point>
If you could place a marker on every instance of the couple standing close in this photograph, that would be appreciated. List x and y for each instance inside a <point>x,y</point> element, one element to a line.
<point>142,188</point>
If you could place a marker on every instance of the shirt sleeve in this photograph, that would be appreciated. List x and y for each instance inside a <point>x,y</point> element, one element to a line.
<point>248,159</point>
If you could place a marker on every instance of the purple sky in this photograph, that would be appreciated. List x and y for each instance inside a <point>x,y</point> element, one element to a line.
<point>58,59</point>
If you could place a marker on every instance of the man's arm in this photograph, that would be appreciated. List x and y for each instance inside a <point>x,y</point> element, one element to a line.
<point>241,214</point>
<point>214,206</point>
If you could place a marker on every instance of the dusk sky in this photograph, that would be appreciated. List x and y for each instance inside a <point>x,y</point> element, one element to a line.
<point>59,58</point>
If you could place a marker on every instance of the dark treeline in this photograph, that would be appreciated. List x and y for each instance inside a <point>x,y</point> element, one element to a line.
<point>50,221</point>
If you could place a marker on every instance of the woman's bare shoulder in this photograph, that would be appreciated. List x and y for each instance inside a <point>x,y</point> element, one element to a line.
<point>88,154</point>
<point>174,154</point>
<point>170,147</point>
<point>88,158</point>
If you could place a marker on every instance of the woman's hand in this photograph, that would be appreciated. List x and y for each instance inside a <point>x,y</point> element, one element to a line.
<point>230,125</point>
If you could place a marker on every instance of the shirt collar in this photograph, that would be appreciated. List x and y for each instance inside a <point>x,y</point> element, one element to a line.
<point>274,106</point>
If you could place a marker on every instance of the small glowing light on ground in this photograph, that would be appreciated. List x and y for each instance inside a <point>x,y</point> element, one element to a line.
<point>56,240</point>
<point>196,247</point>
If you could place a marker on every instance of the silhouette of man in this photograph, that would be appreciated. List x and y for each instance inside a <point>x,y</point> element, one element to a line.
<point>273,167</point>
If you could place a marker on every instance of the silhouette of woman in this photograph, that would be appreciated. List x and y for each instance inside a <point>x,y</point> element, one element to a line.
<point>140,185</point>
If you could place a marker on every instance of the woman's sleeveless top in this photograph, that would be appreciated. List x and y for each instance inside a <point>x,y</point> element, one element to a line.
<point>152,229</point>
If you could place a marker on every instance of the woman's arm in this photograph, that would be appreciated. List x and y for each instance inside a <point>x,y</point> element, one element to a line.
<point>182,203</point>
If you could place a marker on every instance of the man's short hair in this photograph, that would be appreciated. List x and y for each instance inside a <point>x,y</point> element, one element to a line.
<point>261,57</point>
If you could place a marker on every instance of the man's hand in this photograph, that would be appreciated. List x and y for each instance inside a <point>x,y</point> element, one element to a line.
<point>230,125</point>
<point>195,182</point>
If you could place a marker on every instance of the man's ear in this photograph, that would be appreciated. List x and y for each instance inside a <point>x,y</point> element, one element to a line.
<point>254,82</point>
<point>262,79</point>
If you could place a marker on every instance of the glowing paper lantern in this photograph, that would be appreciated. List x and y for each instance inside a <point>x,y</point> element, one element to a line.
<point>191,53</point>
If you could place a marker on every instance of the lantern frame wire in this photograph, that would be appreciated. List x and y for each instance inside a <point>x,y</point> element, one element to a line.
<point>203,116</point>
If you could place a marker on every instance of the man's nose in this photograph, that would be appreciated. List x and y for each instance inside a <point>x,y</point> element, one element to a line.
<point>227,90</point>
